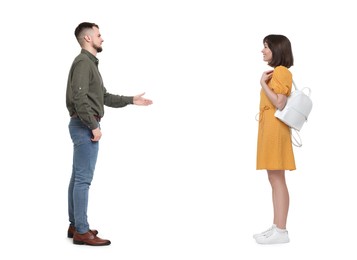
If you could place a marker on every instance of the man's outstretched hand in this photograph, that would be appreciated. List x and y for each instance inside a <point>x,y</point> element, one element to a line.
<point>140,101</point>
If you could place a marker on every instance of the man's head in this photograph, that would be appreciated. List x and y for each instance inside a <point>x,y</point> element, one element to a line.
<point>89,37</point>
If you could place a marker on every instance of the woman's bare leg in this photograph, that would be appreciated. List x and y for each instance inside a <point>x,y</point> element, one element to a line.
<point>280,195</point>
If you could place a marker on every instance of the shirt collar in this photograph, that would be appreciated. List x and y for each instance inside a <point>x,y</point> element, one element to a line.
<point>90,56</point>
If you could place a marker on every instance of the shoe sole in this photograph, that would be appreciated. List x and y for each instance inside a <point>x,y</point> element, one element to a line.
<point>77,242</point>
<point>274,243</point>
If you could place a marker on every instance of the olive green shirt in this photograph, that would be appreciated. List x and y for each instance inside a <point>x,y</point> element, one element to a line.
<point>86,94</point>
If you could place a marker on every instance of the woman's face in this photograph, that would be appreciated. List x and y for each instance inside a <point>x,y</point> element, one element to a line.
<point>267,54</point>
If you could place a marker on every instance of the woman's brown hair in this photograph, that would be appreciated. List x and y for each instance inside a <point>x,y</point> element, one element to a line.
<point>280,47</point>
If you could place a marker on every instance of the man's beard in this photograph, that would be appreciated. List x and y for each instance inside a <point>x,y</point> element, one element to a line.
<point>98,48</point>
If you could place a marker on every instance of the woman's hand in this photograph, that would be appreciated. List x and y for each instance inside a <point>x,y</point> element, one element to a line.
<point>266,76</point>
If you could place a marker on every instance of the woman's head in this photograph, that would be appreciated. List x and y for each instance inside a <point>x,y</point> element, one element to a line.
<point>280,48</point>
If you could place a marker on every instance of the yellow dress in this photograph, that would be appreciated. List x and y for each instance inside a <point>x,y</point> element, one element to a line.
<point>274,149</point>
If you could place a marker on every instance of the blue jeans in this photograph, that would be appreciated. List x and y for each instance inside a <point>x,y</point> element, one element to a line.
<point>85,154</point>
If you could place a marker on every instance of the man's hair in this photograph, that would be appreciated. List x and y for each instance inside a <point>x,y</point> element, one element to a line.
<point>82,29</point>
<point>280,47</point>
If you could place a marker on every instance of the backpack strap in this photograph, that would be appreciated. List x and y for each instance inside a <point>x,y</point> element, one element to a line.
<point>295,140</point>
<point>294,85</point>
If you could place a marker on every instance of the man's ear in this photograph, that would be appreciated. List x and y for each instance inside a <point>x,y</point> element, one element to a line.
<point>87,38</point>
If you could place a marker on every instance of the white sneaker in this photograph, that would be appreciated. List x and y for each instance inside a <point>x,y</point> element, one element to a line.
<point>276,236</point>
<point>268,231</point>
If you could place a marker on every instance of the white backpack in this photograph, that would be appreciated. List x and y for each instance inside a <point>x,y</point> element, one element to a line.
<point>296,110</point>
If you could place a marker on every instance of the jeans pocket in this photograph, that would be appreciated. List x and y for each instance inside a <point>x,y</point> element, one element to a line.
<point>80,134</point>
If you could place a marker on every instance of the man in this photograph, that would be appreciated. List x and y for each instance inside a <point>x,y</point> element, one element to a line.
<point>85,100</point>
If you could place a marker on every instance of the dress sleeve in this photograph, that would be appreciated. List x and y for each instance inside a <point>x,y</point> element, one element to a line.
<point>281,82</point>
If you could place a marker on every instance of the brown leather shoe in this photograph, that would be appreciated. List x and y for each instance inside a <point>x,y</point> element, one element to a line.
<point>90,239</point>
<point>72,229</point>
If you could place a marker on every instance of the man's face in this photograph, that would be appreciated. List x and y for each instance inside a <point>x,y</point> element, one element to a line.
<point>97,40</point>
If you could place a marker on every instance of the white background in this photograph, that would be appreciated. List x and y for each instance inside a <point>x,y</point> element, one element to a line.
<point>177,180</point>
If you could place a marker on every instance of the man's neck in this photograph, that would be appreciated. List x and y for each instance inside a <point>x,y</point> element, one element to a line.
<point>91,50</point>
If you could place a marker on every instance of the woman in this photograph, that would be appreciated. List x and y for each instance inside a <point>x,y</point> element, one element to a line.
<point>274,149</point>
